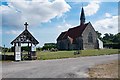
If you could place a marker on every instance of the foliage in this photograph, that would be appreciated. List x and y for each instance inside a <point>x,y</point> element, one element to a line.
<point>39,49</point>
<point>110,40</point>
<point>99,35</point>
<point>49,46</point>
<point>23,48</point>
<point>112,45</point>
<point>116,38</point>
<point>2,49</point>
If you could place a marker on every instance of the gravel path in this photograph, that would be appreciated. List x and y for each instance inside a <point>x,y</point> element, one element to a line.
<point>60,68</point>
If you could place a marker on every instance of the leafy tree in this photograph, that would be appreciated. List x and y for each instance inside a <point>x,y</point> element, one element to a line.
<point>116,38</point>
<point>39,49</point>
<point>99,35</point>
<point>111,41</point>
<point>108,38</point>
<point>49,46</point>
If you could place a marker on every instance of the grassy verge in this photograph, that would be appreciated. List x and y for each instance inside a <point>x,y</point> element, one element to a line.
<point>45,55</point>
<point>70,54</point>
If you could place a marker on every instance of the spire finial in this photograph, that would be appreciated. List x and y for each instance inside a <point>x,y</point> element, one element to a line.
<point>82,5</point>
<point>26,24</point>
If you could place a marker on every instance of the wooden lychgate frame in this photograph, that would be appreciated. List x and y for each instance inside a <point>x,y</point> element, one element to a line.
<point>24,37</point>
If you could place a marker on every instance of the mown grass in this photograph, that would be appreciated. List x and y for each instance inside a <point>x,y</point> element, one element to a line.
<point>45,55</point>
<point>70,54</point>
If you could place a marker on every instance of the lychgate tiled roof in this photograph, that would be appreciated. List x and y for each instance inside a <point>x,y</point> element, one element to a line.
<point>25,37</point>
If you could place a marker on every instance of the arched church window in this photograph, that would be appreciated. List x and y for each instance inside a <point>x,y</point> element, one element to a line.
<point>90,38</point>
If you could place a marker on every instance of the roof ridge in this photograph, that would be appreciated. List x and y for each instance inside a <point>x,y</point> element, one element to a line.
<point>73,32</point>
<point>64,34</point>
<point>25,31</point>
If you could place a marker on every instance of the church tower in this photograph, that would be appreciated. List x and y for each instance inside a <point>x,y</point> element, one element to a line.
<point>82,17</point>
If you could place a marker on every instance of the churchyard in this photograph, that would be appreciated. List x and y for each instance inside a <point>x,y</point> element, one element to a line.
<point>46,55</point>
<point>70,54</point>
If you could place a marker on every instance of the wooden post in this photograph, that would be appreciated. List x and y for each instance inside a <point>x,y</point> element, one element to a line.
<point>17,52</point>
<point>29,54</point>
<point>19,44</point>
<point>28,51</point>
<point>31,51</point>
<point>14,50</point>
<point>4,53</point>
<point>31,45</point>
<point>35,51</point>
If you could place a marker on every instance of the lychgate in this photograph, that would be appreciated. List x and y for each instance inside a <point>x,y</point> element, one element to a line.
<point>25,38</point>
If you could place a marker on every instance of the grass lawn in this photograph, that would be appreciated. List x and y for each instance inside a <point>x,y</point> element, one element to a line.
<point>45,55</point>
<point>70,54</point>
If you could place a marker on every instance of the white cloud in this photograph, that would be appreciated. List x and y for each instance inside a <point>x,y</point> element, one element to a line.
<point>92,8</point>
<point>108,15</point>
<point>64,27</point>
<point>33,12</point>
<point>13,32</point>
<point>10,17</point>
<point>107,25</point>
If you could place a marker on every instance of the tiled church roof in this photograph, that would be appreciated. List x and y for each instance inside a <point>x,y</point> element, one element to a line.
<point>73,32</point>
<point>61,35</point>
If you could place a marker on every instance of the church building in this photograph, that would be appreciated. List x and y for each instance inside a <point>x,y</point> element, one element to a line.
<point>80,37</point>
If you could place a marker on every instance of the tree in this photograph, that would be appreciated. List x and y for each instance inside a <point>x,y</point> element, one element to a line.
<point>49,46</point>
<point>116,38</point>
<point>108,38</point>
<point>99,35</point>
<point>111,41</point>
<point>39,49</point>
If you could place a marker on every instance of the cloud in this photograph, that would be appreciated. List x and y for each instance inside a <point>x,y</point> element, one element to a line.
<point>13,32</point>
<point>10,17</point>
<point>64,27</point>
<point>107,25</point>
<point>92,8</point>
<point>108,15</point>
<point>34,12</point>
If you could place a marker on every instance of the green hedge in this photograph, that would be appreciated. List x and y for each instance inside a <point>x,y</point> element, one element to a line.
<point>112,45</point>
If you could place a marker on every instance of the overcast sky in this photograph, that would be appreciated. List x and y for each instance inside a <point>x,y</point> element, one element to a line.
<point>49,18</point>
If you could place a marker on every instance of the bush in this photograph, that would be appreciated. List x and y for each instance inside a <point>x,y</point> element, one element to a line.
<point>112,45</point>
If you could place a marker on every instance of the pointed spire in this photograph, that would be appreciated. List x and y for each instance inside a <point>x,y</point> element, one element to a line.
<point>82,17</point>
